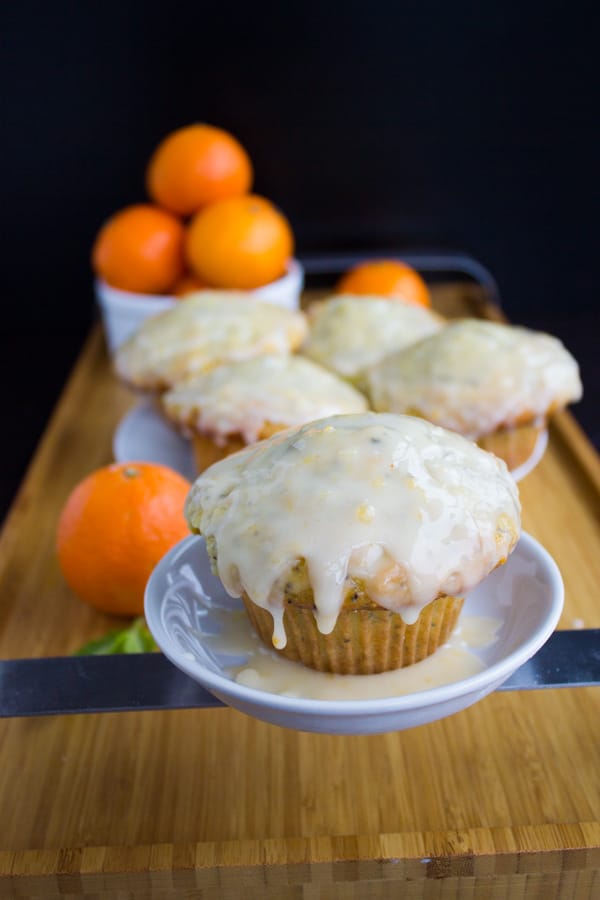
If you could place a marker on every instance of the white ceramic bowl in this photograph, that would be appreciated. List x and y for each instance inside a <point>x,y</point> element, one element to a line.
<point>185,604</point>
<point>123,312</point>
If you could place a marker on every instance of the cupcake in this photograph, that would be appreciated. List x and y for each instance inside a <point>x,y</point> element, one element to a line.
<point>353,539</point>
<point>202,331</point>
<point>239,403</point>
<point>348,334</point>
<point>495,384</point>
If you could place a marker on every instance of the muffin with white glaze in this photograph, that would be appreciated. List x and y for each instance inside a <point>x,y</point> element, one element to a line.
<point>236,404</point>
<point>347,333</point>
<point>353,539</point>
<point>496,384</point>
<point>202,331</point>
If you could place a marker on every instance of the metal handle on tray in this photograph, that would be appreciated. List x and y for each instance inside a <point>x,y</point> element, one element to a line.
<point>425,261</point>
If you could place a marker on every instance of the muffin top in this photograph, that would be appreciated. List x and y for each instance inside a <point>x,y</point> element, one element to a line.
<point>241,397</point>
<point>411,510</point>
<point>202,331</point>
<point>476,376</point>
<point>348,333</point>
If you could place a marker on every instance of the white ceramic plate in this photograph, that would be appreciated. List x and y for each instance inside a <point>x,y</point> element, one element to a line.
<point>144,435</point>
<point>538,451</point>
<point>185,603</point>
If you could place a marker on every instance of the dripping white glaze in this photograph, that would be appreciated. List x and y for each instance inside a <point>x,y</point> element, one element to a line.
<point>370,495</point>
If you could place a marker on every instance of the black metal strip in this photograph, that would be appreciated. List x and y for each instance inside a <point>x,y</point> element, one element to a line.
<point>148,681</point>
<point>567,659</point>
<point>92,684</point>
<point>430,261</point>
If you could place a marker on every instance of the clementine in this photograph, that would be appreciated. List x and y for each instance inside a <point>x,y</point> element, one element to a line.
<point>195,166</point>
<point>243,242</point>
<point>385,278</point>
<point>187,284</point>
<point>140,249</point>
<point>114,528</point>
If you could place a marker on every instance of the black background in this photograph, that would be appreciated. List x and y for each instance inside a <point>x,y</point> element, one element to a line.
<point>373,125</point>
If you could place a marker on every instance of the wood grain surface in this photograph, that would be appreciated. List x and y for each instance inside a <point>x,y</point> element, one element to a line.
<point>499,800</point>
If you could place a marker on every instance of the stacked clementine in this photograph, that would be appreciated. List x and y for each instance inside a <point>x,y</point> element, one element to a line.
<point>202,228</point>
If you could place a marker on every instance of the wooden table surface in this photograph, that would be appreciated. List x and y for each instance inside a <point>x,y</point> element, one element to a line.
<point>499,800</point>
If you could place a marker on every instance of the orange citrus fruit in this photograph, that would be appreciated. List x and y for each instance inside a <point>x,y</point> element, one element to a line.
<point>243,242</point>
<point>187,284</point>
<point>114,528</point>
<point>385,278</point>
<point>140,249</point>
<point>195,166</point>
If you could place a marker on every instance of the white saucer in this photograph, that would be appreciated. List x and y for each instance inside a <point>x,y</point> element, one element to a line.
<point>185,603</point>
<point>144,435</point>
<point>538,451</point>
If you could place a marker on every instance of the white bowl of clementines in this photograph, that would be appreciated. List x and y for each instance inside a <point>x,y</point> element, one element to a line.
<point>202,229</point>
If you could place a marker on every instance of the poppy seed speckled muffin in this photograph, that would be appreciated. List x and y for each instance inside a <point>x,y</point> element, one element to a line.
<point>353,539</point>
<point>496,384</point>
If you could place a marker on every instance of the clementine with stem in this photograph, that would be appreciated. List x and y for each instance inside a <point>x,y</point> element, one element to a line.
<point>243,243</point>
<point>115,527</point>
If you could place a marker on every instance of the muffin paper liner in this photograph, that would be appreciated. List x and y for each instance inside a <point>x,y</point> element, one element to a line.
<point>207,451</point>
<point>364,641</point>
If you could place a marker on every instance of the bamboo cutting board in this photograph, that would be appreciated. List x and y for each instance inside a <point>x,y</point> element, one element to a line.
<point>499,800</point>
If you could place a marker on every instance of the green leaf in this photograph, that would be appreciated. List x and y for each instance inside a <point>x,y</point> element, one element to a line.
<point>136,638</point>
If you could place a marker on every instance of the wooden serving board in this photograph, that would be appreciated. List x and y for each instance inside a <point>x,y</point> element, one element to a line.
<point>499,800</point>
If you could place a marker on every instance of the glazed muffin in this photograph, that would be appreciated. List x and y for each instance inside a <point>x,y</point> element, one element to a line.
<point>496,384</point>
<point>239,403</point>
<point>353,539</point>
<point>347,334</point>
<point>202,331</point>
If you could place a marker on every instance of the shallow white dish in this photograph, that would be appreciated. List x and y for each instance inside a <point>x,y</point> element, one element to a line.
<point>146,436</point>
<point>123,311</point>
<point>538,451</point>
<point>526,594</point>
<point>143,435</point>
